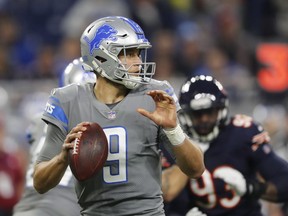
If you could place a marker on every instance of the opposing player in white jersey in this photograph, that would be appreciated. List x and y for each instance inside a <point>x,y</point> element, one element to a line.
<point>61,200</point>
<point>137,114</point>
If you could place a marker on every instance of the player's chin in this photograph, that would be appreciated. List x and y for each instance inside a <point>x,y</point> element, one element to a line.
<point>134,72</point>
<point>203,131</point>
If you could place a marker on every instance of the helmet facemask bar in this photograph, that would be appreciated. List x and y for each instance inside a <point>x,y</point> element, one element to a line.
<point>146,69</point>
<point>187,122</point>
<point>206,102</point>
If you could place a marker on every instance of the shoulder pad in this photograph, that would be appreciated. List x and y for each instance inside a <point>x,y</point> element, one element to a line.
<point>68,92</point>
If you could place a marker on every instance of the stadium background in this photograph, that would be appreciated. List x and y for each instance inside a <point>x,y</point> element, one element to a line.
<point>243,43</point>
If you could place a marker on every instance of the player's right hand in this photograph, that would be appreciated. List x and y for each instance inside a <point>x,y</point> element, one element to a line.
<point>195,212</point>
<point>70,137</point>
<point>165,114</point>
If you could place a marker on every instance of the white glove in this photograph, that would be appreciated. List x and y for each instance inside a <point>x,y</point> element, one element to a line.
<point>233,178</point>
<point>195,212</point>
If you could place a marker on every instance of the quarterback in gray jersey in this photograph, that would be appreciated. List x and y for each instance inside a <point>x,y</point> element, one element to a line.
<point>61,200</point>
<point>137,114</point>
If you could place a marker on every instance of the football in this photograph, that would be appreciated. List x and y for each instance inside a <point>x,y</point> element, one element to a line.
<point>89,152</point>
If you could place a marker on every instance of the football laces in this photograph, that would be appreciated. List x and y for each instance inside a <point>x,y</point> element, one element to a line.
<point>76,147</point>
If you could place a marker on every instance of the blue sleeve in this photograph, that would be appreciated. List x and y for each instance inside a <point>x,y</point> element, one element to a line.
<point>54,112</point>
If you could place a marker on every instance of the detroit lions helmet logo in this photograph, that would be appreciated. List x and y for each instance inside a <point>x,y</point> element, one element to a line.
<point>104,32</point>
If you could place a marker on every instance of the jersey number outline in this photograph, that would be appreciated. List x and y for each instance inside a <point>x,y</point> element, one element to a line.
<point>207,189</point>
<point>115,169</point>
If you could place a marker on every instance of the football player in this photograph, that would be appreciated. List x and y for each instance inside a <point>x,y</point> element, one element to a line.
<point>136,112</point>
<point>241,167</point>
<point>60,201</point>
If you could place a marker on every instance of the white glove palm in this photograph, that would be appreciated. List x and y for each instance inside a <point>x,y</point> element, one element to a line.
<point>233,178</point>
<point>195,212</point>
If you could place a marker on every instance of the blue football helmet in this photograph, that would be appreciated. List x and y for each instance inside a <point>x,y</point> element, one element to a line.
<point>104,39</point>
<point>74,73</point>
<point>198,95</point>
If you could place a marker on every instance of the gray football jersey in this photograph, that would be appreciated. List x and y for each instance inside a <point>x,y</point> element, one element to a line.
<point>32,203</point>
<point>130,181</point>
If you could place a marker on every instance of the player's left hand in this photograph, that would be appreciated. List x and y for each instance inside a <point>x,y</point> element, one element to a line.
<point>261,138</point>
<point>195,212</point>
<point>165,113</point>
<point>233,178</point>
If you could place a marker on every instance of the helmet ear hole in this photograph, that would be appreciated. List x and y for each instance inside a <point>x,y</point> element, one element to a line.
<point>100,59</point>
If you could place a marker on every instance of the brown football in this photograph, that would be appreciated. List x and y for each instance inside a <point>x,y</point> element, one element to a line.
<point>89,153</point>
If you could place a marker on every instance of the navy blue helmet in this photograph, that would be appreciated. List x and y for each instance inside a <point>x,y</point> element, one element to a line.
<point>198,95</point>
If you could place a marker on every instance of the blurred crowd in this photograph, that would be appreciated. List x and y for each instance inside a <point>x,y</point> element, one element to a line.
<point>242,43</point>
<point>190,37</point>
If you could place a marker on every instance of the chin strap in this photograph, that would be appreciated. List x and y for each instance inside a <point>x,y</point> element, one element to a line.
<point>130,84</point>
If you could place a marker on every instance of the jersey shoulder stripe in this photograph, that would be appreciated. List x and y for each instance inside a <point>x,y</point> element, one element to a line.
<point>54,111</point>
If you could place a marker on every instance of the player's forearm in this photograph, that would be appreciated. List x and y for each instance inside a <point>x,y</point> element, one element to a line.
<point>270,193</point>
<point>189,158</point>
<point>276,191</point>
<point>173,182</point>
<point>48,174</point>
